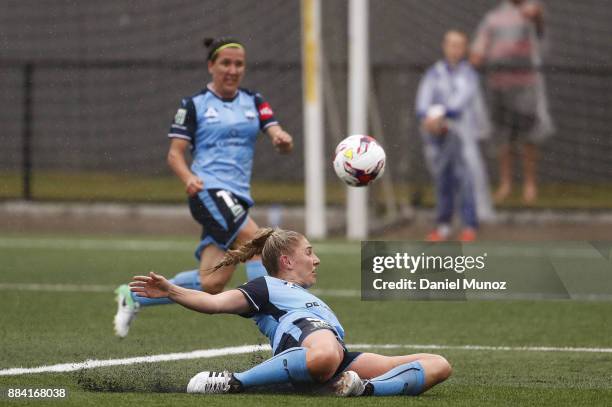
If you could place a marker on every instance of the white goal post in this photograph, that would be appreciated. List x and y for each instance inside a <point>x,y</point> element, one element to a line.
<point>358,62</point>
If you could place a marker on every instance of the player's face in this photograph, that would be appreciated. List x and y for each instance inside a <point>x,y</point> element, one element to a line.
<point>455,47</point>
<point>227,70</point>
<point>305,263</point>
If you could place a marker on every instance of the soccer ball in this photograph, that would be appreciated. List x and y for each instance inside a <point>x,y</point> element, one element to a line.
<point>359,160</point>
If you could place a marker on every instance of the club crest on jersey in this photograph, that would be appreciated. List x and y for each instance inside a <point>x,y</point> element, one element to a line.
<point>265,111</point>
<point>211,115</point>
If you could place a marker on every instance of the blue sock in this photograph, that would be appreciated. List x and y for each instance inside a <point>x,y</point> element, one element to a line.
<point>407,379</point>
<point>255,269</point>
<point>187,279</point>
<point>286,367</point>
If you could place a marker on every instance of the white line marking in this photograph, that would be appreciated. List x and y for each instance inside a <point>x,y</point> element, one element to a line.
<point>336,293</point>
<point>325,293</point>
<point>90,364</point>
<point>92,244</point>
<point>138,245</point>
<point>574,250</point>
<point>98,288</point>
<point>483,348</point>
<point>64,288</point>
<point>237,350</point>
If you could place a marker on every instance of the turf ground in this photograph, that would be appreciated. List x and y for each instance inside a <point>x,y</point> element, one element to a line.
<point>57,307</point>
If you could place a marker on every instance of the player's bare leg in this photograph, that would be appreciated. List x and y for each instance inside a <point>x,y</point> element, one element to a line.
<point>211,255</point>
<point>254,268</point>
<point>324,354</point>
<point>247,232</point>
<point>530,186</point>
<point>213,282</point>
<point>505,173</point>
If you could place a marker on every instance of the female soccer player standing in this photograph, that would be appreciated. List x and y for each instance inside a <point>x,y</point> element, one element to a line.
<point>219,125</point>
<point>306,336</point>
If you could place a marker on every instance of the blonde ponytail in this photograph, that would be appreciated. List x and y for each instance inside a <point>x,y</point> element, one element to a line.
<point>269,243</point>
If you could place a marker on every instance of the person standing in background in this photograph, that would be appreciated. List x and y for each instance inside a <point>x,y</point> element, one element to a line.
<point>450,109</point>
<point>508,44</point>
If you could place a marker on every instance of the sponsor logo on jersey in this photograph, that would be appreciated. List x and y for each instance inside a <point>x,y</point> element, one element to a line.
<point>312,304</point>
<point>180,116</point>
<point>249,114</point>
<point>265,111</point>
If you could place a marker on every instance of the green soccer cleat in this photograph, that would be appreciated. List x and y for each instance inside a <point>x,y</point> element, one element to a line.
<point>127,309</point>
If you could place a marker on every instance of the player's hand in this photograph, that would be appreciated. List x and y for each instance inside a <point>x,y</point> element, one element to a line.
<point>531,11</point>
<point>435,125</point>
<point>193,185</point>
<point>151,286</point>
<point>282,141</point>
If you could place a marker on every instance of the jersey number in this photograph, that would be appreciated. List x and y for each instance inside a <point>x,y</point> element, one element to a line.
<point>232,203</point>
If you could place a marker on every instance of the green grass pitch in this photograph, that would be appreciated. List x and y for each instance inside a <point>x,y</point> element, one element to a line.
<point>42,327</point>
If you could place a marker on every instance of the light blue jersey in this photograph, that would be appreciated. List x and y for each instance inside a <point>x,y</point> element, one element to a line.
<point>276,304</point>
<point>223,134</point>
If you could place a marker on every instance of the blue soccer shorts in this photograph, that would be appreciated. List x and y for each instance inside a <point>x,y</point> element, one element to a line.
<point>221,215</point>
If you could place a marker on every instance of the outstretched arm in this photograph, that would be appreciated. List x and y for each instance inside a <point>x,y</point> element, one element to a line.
<point>280,139</point>
<point>156,286</point>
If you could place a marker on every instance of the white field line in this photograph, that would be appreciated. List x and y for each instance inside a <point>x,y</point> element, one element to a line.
<point>323,248</point>
<point>336,293</point>
<point>95,288</point>
<point>237,350</point>
<point>482,348</point>
<point>90,364</point>
<point>325,293</point>
<point>63,288</point>
<point>137,245</point>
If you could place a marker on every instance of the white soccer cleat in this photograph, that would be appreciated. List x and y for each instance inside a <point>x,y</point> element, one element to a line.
<point>349,384</point>
<point>126,311</point>
<point>214,383</point>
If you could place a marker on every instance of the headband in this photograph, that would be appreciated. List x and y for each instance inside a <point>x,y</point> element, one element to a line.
<point>222,47</point>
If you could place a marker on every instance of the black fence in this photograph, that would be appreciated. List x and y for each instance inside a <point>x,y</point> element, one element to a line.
<point>112,116</point>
